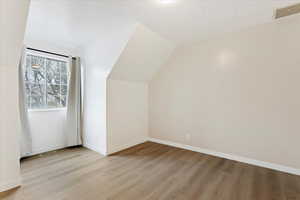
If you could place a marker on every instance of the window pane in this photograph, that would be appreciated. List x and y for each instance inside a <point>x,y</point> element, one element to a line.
<point>64,101</point>
<point>53,66</point>
<point>28,62</point>
<point>27,75</point>
<point>37,76</point>
<point>37,90</point>
<point>64,90</point>
<point>28,102</point>
<point>53,96</point>
<point>53,89</point>
<point>46,82</point>
<point>36,63</point>
<point>37,102</point>
<point>64,69</point>
<point>27,88</point>
<point>64,79</point>
<point>53,101</point>
<point>53,78</point>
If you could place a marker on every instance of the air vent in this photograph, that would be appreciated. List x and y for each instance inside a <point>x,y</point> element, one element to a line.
<point>287,11</point>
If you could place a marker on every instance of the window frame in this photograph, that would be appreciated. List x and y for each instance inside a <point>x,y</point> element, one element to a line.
<point>49,56</point>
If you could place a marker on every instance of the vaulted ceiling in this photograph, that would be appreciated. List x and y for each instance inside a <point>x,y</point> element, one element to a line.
<point>145,53</point>
<point>194,20</point>
<point>102,27</point>
<point>181,21</point>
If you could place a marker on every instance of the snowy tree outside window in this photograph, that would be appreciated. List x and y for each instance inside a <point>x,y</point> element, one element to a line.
<point>46,81</point>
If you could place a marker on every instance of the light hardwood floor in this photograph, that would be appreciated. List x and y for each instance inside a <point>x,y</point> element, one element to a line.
<point>148,171</point>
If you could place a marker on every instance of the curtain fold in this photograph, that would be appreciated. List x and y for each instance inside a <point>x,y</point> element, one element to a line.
<point>25,137</point>
<point>74,105</point>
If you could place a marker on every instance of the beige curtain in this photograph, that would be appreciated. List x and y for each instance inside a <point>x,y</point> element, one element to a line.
<point>74,105</point>
<point>25,137</point>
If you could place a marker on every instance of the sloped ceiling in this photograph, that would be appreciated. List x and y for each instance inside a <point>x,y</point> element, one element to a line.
<point>142,57</point>
<point>180,21</point>
<point>97,32</point>
<point>190,21</point>
<point>99,29</point>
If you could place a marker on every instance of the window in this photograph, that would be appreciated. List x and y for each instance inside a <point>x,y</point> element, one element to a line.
<point>46,82</point>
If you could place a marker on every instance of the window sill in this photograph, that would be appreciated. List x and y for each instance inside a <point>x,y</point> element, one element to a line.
<point>47,110</point>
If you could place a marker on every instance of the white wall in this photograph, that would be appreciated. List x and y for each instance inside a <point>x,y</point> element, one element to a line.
<point>95,110</point>
<point>238,94</point>
<point>127,119</point>
<point>99,58</point>
<point>127,88</point>
<point>47,130</point>
<point>13,14</point>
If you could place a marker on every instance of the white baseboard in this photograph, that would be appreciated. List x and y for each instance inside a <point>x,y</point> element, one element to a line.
<point>126,146</point>
<point>4,186</point>
<point>93,148</point>
<point>44,150</point>
<point>259,163</point>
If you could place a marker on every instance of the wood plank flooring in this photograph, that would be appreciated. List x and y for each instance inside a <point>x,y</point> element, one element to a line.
<point>148,171</point>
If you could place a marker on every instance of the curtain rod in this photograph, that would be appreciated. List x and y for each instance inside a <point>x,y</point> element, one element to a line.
<point>48,52</point>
